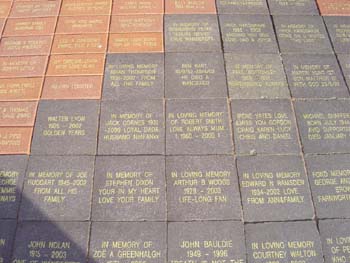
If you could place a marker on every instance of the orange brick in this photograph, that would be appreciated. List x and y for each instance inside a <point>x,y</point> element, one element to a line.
<point>82,24</point>
<point>27,66</point>
<point>136,23</point>
<point>30,45</point>
<point>73,65</point>
<point>84,43</point>
<point>15,140</point>
<point>18,113</point>
<point>136,43</point>
<point>35,8</point>
<point>5,8</point>
<point>87,87</point>
<point>190,7</point>
<point>30,26</point>
<point>138,7</point>
<point>334,7</point>
<point>19,89</point>
<point>86,7</point>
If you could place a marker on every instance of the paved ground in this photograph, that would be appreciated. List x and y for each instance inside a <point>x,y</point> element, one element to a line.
<point>184,131</point>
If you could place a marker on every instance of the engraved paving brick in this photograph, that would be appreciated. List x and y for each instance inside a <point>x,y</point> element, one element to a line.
<point>136,23</point>
<point>66,127</point>
<point>74,87</point>
<point>256,76</point>
<point>264,126</point>
<point>339,31</point>
<point>127,7</point>
<point>129,189</point>
<point>7,234</point>
<point>85,7</point>
<point>60,187</point>
<point>12,170</point>
<point>202,188</point>
<point>82,24</point>
<point>51,241</point>
<point>77,64</point>
<point>26,66</point>
<point>128,242</point>
<point>285,242</point>
<point>274,188</point>
<point>133,76</point>
<point>334,7</point>
<point>329,176</point>
<point>190,7</point>
<point>82,43</point>
<point>20,89</point>
<point>293,7</point>
<point>131,127</point>
<point>324,125</point>
<point>242,7</point>
<point>28,45</point>
<point>302,34</point>
<point>314,76</point>
<point>35,9</point>
<point>198,127</point>
<point>206,241</point>
<point>136,42</point>
<point>335,240</point>
<point>17,113</point>
<point>192,75</point>
<point>30,26</point>
<point>191,33</point>
<point>248,34</point>
<point>15,140</point>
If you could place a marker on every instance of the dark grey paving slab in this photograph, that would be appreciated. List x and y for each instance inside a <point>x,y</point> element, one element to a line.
<point>335,240</point>
<point>242,7</point>
<point>324,125</point>
<point>248,34</point>
<point>131,127</point>
<point>329,177</point>
<point>202,188</point>
<point>302,34</point>
<point>285,242</point>
<point>314,76</point>
<point>60,187</point>
<point>274,188</point>
<point>293,7</point>
<point>12,170</point>
<point>128,242</point>
<point>51,242</point>
<point>195,33</point>
<point>7,235</point>
<point>129,76</point>
<point>198,127</point>
<point>256,76</point>
<point>129,189</point>
<point>206,242</point>
<point>66,127</point>
<point>344,61</point>
<point>195,75</point>
<point>339,32</point>
<point>264,126</point>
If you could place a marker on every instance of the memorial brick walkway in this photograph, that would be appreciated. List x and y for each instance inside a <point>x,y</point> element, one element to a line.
<point>180,131</point>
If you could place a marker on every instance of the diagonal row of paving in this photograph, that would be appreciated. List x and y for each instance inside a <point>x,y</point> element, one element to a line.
<point>182,131</point>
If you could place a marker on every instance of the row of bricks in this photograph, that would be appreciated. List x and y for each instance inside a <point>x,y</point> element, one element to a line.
<point>174,242</point>
<point>103,7</point>
<point>158,188</point>
<point>73,127</point>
